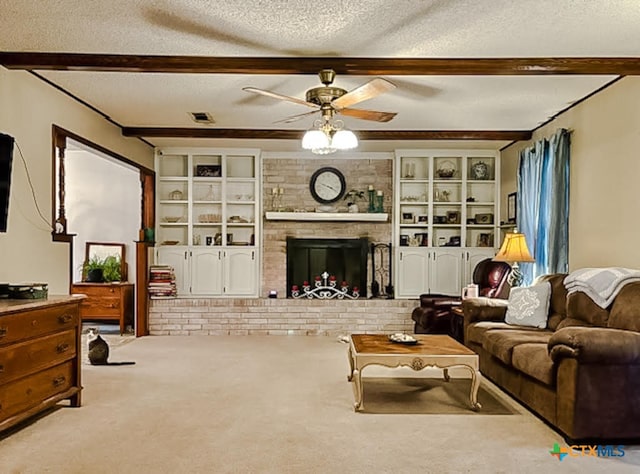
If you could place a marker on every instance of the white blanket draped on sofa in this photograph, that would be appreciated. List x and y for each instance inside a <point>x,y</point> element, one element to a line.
<point>600,284</point>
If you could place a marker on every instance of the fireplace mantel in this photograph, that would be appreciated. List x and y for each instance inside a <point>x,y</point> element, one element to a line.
<point>327,216</point>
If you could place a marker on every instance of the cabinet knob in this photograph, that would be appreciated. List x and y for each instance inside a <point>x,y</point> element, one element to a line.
<point>62,347</point>
<point>59,381</point>
<point>111,290</point>
<point>65,318</point>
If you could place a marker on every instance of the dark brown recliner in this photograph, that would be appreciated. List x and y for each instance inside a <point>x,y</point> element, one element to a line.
<point>434,315</point>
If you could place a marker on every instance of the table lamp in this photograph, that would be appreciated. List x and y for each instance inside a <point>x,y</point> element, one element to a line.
<point>514,250</point>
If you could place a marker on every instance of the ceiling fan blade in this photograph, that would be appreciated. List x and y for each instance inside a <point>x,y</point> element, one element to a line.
<point>295,118</point>
<point>366,91</point>
<point>275,95</point>
<point>369,114</point>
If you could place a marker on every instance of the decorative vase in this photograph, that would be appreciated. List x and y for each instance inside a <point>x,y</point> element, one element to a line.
<point>372,200</point>
<point>353,208</point>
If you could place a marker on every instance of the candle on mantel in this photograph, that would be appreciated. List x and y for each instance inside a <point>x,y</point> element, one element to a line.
<point>294,288</point>
<point>371,187</point>
<point>280,190</point>
<point>379,193</point>
<point>305,283</point>
<point>274,191</point>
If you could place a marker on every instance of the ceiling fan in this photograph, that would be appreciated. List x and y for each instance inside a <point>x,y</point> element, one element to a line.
<point>331,100</point>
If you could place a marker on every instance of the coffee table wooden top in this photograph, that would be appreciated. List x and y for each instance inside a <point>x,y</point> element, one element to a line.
<point>431,344</point>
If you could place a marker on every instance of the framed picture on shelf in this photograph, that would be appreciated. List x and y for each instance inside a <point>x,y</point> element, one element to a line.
<point>485,240</point>
<point>512,210</point>
<point>423,239</point>
<point>208,171</point>
<point>407,218</point>
<point>453,217</point>
<point>404,240</point>
<point>423,219</point>
<point>484,218</point>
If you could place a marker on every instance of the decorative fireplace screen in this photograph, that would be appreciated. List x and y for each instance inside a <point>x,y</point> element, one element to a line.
<point>344,260</point>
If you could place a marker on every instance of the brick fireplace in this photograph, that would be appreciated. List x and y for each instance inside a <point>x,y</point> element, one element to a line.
<point>345,260</point>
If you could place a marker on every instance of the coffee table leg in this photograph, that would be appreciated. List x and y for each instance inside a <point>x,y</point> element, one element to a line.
<point>476,378</point>
<point>350,356</point>
<point>445,373</point>
<point>357,390</point>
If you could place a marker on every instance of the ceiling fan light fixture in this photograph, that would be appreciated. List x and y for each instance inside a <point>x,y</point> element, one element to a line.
<point>344,140</point>
<point>328,136</point>
<point>315,139</point>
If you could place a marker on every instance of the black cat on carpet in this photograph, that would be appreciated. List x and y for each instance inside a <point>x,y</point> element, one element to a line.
<point>98,350</point>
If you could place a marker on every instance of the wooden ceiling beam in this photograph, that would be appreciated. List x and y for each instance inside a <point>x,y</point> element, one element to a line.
<point>311,65</point>
<point>269,134</point>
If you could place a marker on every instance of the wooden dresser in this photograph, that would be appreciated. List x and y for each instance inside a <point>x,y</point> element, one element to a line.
<point>106,302</point>
<point>40,359</point>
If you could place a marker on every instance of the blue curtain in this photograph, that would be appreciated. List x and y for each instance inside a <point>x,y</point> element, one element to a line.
<point>543,205</point>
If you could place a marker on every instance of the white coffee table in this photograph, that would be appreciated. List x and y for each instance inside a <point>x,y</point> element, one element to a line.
<point>431,350</point>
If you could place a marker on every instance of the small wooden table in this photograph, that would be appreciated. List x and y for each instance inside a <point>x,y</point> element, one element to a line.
<point>432,350</point>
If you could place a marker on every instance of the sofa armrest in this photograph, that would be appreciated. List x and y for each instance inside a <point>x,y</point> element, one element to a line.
<point>484,309</point>
<point>595,344</point>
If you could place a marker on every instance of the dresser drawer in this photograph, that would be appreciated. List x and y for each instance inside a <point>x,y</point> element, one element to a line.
<point>100,307</point>
<point>27,357</point>
<point>29,392</point>
<point>20,326</point>
<point>97,290</point>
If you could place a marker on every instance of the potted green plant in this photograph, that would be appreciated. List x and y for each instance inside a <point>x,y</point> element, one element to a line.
<point>98,270</point>
<point>111,268</point>
<point>93,270</point>
<point>352,198</point>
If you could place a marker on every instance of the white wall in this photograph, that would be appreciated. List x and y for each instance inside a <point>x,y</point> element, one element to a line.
<point>604,229</point>
<point>103,201</point>
<point>28,109</point>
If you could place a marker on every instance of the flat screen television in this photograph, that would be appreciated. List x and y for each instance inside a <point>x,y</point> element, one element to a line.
<point>6,159</point>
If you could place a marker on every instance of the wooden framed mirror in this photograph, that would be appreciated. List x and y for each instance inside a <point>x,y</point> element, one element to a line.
<point>97,253</point>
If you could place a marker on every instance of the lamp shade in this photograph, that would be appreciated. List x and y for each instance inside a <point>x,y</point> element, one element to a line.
<point>514,249</point>
<point>315,139</point>
<point>344,140</point>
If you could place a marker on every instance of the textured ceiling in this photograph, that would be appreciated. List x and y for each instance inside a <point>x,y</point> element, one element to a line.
<point>374,28</point>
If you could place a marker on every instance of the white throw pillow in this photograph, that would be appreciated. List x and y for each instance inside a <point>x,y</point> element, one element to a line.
<point>529,305</point>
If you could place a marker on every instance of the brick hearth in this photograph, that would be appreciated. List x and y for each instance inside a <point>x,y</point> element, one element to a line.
<point>264,316</point>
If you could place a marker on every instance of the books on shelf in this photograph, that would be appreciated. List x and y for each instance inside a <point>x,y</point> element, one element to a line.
<point>162,282</point>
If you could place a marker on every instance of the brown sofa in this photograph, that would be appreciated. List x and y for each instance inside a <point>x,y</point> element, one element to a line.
<point>581,374</point>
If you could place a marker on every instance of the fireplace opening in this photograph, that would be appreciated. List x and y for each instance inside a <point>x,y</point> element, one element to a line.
<point>344,259</point>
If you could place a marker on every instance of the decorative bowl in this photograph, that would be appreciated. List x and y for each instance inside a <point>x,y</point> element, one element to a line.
<point>447,169</point>
<point>172,219</point>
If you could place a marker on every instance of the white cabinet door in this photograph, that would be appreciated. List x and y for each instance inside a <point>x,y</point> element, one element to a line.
<point>446,271</point>
<point>473,256</point>
<point>177,257</point>
<point>413,272</point>
<point>206,271</point>
<point>240,272</point>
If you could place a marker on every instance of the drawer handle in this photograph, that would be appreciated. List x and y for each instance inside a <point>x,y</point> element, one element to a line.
<point>3,332</point>
<point>59,381</point>
<point>112,305</point>
<point>65,318</point>
<point>62,347</point>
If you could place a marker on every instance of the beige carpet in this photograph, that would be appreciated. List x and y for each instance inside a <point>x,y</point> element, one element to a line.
<point>272,404</point>
<point>413,396</point>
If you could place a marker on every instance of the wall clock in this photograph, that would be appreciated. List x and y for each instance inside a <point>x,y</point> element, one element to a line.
<point>327,185</point>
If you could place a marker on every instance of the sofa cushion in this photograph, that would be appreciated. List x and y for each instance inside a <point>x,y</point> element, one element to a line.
<point>500,342</point>
<point>572,322</point>
<point>533,359</point>
<point>581,306</point>
<point>476,331</point>
<point>529,306</point>
<point>558,302</point>
<point>625,312</point>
